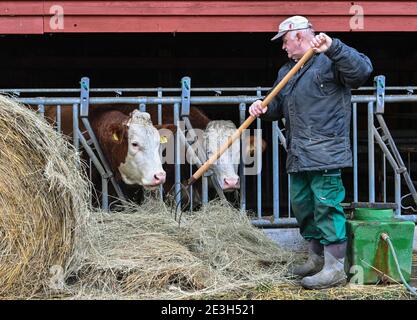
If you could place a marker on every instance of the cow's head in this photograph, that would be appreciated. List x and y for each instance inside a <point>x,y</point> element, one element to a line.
<point>226,167</point>
<point>142,164</point>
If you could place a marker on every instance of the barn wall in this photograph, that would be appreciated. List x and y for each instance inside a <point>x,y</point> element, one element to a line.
<point>35,17</point>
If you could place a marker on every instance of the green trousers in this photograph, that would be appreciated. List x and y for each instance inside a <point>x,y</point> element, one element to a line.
<point>315,201</point>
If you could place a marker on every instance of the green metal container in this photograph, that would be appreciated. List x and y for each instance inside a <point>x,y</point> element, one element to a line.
<point>369,259</point>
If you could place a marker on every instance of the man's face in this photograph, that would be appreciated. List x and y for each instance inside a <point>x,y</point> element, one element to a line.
<point>292,44</point>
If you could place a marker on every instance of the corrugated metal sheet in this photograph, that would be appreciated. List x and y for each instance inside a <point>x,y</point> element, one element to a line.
<point>25,17</point>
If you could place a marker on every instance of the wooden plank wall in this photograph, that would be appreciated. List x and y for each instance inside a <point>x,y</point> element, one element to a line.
<point>34,17</point>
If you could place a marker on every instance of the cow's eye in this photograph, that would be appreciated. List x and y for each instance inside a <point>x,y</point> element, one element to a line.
<point>135,144</point>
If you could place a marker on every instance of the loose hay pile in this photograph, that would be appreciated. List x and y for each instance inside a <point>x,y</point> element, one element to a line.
<point>144,254</point>
<point>43,201</point>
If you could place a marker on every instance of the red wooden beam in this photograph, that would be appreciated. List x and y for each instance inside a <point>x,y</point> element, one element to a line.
<point>222,24</point>
<point>202,16</point>
<point>233,8</point>
<point>24,8</point>
<point>21,25</point>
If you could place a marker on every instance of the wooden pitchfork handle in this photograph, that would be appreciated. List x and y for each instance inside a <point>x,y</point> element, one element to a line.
<point>249,120</point>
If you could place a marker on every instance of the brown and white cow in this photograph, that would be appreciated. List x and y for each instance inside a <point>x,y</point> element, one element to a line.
<point>131,145</point>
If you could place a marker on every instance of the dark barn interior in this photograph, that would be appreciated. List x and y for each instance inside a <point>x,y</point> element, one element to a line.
<point>212,60</point>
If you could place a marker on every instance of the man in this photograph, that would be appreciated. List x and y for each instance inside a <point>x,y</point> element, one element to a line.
<point>316,107</point>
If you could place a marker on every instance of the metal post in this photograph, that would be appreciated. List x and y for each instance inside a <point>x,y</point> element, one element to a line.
<point>161,187</point>
<point>159,107</point>
<point>177,155</point>
<point>204,189</point>
<point>258,144</point>
<point>191,188</point>
<point>275,170</point>
<point>242,116</point>
<point>105,193</point>
<point>355,151</point>
<point>75,127</point>
<point>289,196</point>
<point>371,153</point>
<point>58,118</point>
<point>142,107</point>
<point>384,177</point>
<point>398,193</point>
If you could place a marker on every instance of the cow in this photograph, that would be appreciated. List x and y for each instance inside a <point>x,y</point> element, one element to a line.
<point>129,142</point>
<point>131,146</point>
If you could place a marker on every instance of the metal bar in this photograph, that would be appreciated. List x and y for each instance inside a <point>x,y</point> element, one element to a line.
<point>371,153</point>
<point>258,142</point>
<point>204,189</point>
<point>206,100</point>
<point>242,117</point>
<point>177,155</point>
<point>84,97</point>
<point>121,90</point>
<point>75,127</point>
<point>58,118</point>
<point>105,193</point>
<point>384,178</point>
<point>161,187</point>
<point>355,151</point>
<point>275,170</point>
<point>191,189</point>
<point>159,107</point>
<point>259,167</point>
<point>289,196</point>
<point>398,193</point>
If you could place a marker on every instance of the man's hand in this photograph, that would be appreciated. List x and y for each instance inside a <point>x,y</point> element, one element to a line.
<point>321,43</point>
<point>256,109</point>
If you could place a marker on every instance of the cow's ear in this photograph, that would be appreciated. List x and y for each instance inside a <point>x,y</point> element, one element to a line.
<point>117,133</point>
<point>170,126</point>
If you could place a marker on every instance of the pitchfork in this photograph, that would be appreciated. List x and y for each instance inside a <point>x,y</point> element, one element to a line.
<point>244,126</point>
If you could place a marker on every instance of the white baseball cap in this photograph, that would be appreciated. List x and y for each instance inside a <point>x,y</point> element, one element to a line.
<point>290,24</point>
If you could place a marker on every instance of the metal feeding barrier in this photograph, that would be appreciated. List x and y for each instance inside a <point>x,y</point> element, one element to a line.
<point>183,98</point>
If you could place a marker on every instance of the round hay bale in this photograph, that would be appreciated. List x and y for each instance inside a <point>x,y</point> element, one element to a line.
<point>43,203</point>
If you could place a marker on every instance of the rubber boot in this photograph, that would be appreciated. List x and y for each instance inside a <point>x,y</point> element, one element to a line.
<point>314,262</point>
<point>333,273</point>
